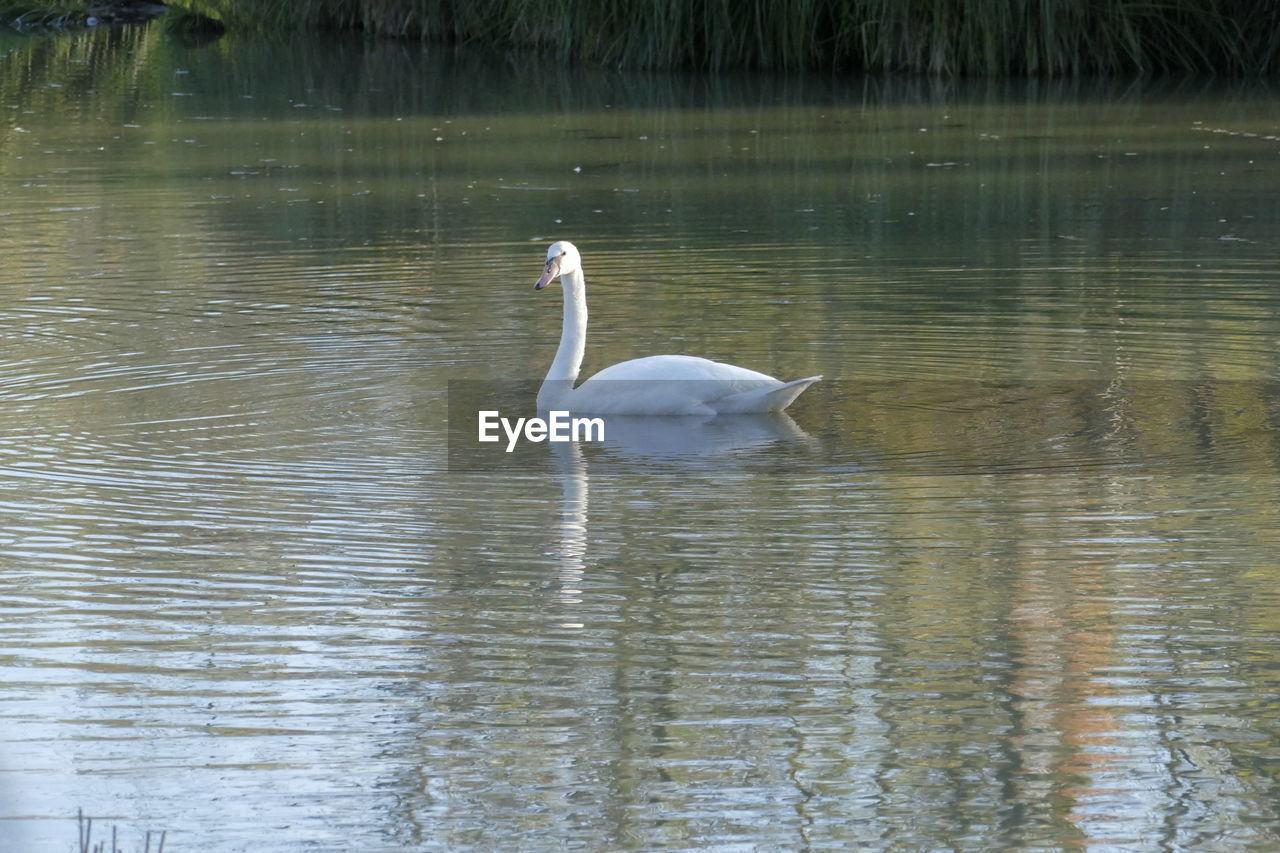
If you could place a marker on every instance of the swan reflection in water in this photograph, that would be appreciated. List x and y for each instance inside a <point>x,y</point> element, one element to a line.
<point>665,411</point>
<point>664,447</point>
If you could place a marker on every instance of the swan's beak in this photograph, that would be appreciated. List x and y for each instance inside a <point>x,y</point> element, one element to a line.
<point>552,270</point>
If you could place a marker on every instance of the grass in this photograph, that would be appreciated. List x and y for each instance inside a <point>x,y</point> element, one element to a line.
<point>87,844</point>
<point>951,37</point>
<point>53,14</point>
<point>1044,38</point>
<point>62,14</point>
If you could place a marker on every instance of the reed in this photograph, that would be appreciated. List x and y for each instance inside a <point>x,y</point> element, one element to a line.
<point>25,15</point>
<point>49,14</point>
<point>84,826</point>
<point>951,37</point>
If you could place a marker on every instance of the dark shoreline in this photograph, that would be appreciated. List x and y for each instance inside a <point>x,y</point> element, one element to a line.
<point>961,38</point>
<point>35,16</point>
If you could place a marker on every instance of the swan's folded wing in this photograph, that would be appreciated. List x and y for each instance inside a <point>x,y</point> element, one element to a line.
<point>667,368</point>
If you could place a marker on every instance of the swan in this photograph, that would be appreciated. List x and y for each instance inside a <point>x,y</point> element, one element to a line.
<point>656,385</point>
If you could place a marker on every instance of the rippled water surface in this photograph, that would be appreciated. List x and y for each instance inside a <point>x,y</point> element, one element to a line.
<point>1006,578</point>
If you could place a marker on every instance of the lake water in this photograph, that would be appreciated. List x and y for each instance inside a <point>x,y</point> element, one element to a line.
<point>1007,578</point>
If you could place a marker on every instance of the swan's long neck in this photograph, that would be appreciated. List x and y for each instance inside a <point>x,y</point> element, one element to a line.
<point>573,338</point>
<point>573,335</point>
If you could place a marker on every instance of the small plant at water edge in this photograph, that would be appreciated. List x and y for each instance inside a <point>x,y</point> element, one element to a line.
<point>88,845</point>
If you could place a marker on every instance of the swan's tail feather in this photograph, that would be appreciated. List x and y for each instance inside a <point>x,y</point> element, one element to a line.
<point>780,398</point>
<point>774,400</point>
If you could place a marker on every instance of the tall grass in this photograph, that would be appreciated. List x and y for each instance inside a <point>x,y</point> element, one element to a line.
<point>954,37</point>
<point>37,15</point>
<point>26,15</point>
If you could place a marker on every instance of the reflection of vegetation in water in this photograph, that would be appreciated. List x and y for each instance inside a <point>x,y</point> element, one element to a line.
<point>950,158</point>
<point>855,157</point>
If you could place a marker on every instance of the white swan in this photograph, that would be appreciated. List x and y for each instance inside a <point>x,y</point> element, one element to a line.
<point>657,385</point>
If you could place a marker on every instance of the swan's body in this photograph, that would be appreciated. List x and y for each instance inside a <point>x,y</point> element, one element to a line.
<point>656,385</point>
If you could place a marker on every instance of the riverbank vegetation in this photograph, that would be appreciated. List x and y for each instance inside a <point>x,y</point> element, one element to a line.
<point>54,13</point>
<point>956,37</point>
<point>1045,38</point>
<point>66,14</point>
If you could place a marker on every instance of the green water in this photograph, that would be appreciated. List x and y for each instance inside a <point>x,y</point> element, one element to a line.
<point>1006,579</point>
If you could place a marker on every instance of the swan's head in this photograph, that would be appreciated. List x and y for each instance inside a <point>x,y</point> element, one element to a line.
<point>562,259</point>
